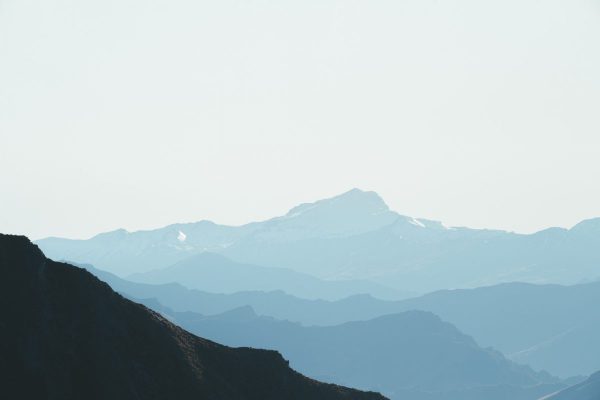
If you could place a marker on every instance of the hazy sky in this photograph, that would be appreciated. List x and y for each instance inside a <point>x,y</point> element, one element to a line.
<point>141,113</point>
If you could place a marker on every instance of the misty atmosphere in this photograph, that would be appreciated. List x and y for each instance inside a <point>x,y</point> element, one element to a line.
<point>322,200</point>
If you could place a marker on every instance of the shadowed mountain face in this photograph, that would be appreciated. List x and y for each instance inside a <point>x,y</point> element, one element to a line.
<point>410,355</point>
<point>66,335</point>
<point>355,236</point>
<point>586,390</point>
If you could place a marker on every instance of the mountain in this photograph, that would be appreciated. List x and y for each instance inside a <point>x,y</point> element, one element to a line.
<point>180,298</point>
<point>586,390</point>
<point>424,256</point>
<point>216,273</point>
<point>123,253</point>
<point>350,213</point>
<point>549,327</point>
<point>408,355</point>
<point>66,335</point>
<point>355,236</point>
<point>239,325</point>
<point>275,303</point>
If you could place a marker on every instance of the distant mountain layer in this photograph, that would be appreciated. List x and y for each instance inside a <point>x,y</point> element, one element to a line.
<point>66,335</point>
<point>240,326</point>
<point>587,390</point>
<point>549,327</point>
<point>355,236</point>
<point>216,273</point>
<point>409,355</point>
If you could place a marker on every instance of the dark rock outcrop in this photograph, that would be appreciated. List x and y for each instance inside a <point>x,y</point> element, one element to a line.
<point>66,335</point>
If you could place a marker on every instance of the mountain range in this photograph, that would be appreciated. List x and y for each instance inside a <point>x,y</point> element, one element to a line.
<point>67,335</point>
<point>409,355</point>
<point>355,236</point>
<point>385,336</point>
<point>216,273</point>
<point>549,327</point>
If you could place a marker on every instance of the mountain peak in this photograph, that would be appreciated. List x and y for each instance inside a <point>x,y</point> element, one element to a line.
<point>587,226</point>
<point>361,197</point>
<point>352,201</point>
<point>352,212</point>
<point>357,192</point>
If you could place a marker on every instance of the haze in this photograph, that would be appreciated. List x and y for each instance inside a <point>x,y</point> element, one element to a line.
<point>138,114</point>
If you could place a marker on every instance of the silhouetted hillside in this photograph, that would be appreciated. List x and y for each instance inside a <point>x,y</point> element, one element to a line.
<point>66,335</point>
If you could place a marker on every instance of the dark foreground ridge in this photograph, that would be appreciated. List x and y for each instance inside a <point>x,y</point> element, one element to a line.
<point>66,335</point>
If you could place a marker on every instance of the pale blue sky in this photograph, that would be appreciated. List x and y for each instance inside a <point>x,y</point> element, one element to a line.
<point>137,113</point>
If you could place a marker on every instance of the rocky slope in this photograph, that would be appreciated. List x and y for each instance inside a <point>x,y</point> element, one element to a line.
<point>66,335</point>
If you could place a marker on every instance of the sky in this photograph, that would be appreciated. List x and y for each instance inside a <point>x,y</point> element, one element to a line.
<point>140,113</point>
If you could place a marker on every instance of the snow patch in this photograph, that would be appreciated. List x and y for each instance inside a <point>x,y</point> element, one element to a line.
<point>416,222</point>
